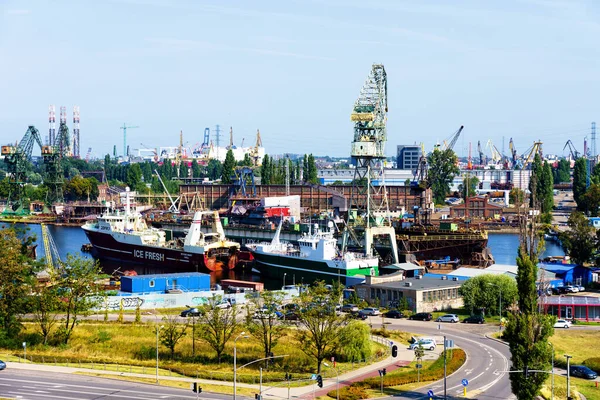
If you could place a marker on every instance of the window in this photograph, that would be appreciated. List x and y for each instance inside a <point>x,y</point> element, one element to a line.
<point>151,283</point>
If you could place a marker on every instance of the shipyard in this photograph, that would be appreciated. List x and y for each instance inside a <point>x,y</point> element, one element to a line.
<point>299,200</point>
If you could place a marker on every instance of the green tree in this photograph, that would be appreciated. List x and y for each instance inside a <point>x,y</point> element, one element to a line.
<point>134,175</point>
<point>171,333</point>
<point>516,196</point>
<point>45,304</point>
<point>562,173</point>
<point>228,167</point>
<point>591,199</point>
<point>16,279</point>
<point>79,290</point>
<point>579,182</point>
<point>265,171</point>
<point>266,330</point>
<point>214,169</point>
<point>196,169</point>
<point>218,324</point>
<point>527,331</point>
<point>321,325</point>
<point>247,161</point>
<point>355,342</point>
<point>483,293</point>
<point>580,241</point>
<point>312,170</point>
<point>471,183</point>
<point>442,169</point>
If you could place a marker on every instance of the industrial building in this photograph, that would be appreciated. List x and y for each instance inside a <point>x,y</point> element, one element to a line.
<point>582,308</point>
<point>570,274</point>
<point>408,156</point>
<point>476,207</point>
<point>423,293</point>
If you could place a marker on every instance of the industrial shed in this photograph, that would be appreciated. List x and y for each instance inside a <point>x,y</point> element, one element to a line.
<point>166,283</point>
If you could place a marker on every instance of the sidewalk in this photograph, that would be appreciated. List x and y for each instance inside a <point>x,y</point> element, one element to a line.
<point>405,356</point>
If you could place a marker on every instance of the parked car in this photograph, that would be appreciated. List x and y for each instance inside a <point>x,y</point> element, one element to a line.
<point>2,365</point>
<point>349,308</point>
<point>422,316</point>
<point>360,315</point>
<point>448,318</point>
<point>394,314</point>
<point>291,316</point>
<point>558,290</point>
<point>427,344</point>
<point>290,307</point>
<point>581,288</point>
<point>190,312</point>
<point>582,372</point>
<point>474,319</point>
<point>370,311</point>
<point>265,314</point>
<point>223,304</point>
<point>571,289</point>
<point>562,323</point>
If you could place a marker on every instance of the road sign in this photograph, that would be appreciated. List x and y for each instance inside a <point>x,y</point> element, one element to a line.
<point>313,377</point>
<point>449,343</point>
<point>465,382</point>
<point>430,393</point>
<point>419,365</point>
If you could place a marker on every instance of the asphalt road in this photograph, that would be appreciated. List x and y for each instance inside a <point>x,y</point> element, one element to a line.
<point>38,385</point>
<point>486,358</point>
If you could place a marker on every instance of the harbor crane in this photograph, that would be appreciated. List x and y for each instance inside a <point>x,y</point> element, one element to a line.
<point>17,158</point>
<point>528,156</point>
<point>572,150</point>
<point>496,155</point>
<point>125,127</point>
<point>513,152</point>
<point>482,156</point>
<point>254,154</point>
<point>451,141</point>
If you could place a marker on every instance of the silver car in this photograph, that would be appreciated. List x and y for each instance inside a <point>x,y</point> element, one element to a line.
<point>448,318</point>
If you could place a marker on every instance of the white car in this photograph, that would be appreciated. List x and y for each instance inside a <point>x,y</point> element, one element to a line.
<point>562,323</point>
<point>427,344</point>
<point>370,311</point>
<point>448,318</point>
<point>571,289</point>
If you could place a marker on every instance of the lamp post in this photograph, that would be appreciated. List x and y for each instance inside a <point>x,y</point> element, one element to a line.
<point>235,363</point>
<point>552,385</point>
<point>284,274</point>
<point>500,304</point>
<point>337,380</point>
<point>158,328</point>
<point>568,376</point>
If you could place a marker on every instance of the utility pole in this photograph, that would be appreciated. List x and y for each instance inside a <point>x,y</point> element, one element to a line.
<point>568,376</point>
<point>445,367</point>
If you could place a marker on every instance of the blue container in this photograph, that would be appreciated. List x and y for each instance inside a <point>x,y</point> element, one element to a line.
<point>185,281</point>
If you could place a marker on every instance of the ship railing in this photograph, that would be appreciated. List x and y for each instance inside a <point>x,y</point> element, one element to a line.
<point>426,238</point>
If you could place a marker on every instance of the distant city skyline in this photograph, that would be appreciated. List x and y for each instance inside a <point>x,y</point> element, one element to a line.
<point>526,69</point>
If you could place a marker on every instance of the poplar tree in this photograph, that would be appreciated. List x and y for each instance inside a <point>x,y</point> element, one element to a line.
<point>579,182</point>
<point>228,166</point>
<point>527,331</point>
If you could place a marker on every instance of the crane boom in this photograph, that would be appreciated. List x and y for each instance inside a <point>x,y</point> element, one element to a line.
<point>449,144</point>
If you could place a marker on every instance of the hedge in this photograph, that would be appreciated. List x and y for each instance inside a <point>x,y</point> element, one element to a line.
<point>456,358</point>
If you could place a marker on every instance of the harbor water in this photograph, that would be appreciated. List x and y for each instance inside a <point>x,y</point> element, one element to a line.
<point>69,239</point>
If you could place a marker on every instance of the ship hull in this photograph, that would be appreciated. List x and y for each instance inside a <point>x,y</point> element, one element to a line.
<point>107,247</point>
<point>304,270</point>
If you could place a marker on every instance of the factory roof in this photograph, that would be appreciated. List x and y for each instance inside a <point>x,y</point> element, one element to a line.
<point>423,283</point>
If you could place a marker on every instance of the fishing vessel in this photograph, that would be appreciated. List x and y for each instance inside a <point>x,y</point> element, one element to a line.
<point>123,235</point>
<point>316,256</point>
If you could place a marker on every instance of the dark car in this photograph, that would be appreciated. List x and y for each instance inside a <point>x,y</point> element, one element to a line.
<point>360,315</point>
<point>422,316</point>
<point>582,372</point>
<point>474,319</point>
<point>190,312</point>
<point>291,316</point>
<point>394,314</point>
<point>290,307</point>
<point>2,365</point>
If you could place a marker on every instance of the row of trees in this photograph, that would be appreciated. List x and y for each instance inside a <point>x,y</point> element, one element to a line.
<point>541,187</point>
<point>67,291</point>
<point>321,330</point>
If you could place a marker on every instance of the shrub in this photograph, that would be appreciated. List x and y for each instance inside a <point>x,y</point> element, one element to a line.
<point>593,363</point>
<point>350,393</point>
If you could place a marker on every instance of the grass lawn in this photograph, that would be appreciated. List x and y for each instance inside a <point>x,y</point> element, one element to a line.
<point>577,343</point>
<point>585,387</point>
<point>132,348</point>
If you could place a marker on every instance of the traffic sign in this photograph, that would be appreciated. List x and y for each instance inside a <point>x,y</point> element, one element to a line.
<point>465,382</point>
<point>419,365</point>
<point>430,393</point>
<point>313,377</point>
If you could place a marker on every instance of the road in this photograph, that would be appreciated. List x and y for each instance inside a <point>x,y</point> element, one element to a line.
<point>40,385</point>
<point>484,358</point>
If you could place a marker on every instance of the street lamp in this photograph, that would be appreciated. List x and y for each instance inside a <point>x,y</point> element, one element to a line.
<point>568,376</point>
<point>284,274</point>
<point>235,363</point>
<point>500,304</point>
<point>158,328</point>
<point>337,380</point>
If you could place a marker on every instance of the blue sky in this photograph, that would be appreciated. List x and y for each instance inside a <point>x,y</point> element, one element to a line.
<point>527,69</point>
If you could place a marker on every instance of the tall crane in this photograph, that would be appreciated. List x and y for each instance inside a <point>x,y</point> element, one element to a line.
<point>17,159</point>
<point>482,157</point>
<point>89,153</point>
<point>254,154</point>
<point>125,127</point>
<point>572,150</point>
<point>496,155</point>
<point>52,256</point>
<point>451,141</point>
<point>527,157</point>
